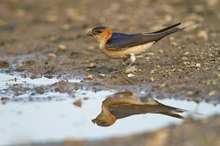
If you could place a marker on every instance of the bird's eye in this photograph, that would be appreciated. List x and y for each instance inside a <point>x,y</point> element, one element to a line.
<point>99,31</point>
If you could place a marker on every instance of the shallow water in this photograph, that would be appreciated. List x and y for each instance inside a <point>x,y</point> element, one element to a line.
<point>28,122</point>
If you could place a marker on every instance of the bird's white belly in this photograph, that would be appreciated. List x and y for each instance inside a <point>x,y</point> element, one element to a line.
<point>124,53</point>
<point>138,49</point>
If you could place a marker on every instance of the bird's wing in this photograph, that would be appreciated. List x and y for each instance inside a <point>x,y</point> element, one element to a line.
<point>128,109</point>
<point>120,41</point>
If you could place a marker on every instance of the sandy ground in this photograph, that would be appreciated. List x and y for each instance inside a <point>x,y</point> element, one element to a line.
<point>49,38</point>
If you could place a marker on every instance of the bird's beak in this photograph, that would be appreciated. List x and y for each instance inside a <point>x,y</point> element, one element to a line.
<point>90,33</point>
<point>94,121</point>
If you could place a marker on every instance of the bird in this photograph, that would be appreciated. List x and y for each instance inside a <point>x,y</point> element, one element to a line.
<point>124,46</point>
<point>123,104</point>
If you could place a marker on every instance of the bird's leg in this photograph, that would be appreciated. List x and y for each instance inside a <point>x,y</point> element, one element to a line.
<point>133,59</point>
<point>124,61</point>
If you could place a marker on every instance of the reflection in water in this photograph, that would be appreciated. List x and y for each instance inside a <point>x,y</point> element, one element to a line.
<point>123,104</point>
<point>20,125</point>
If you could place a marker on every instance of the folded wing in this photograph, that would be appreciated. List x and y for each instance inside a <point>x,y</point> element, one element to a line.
<point>120,41</point>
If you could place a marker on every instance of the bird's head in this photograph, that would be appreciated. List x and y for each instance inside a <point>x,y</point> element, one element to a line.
<point>100,33</point>
<point>105,118</point>
<point>104,121</point>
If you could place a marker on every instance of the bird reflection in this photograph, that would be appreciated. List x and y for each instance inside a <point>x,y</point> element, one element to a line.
<point>124,104</point>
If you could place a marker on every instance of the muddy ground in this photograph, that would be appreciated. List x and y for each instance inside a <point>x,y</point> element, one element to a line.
<point>48,38</point>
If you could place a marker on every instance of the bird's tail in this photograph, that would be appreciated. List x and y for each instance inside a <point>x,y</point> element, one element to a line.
<point>171,29</point>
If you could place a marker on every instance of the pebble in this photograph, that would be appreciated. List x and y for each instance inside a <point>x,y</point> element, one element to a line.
<point>152,72</point>
<point>190,93</point>
<point>40,90</point>
<point>168,18</point>
<point>152,79</point>
<point>163,85</point>
<point>198,65</point>
<point>52,55</point>
<point>102,75</point>
<point>186,53</point>
<point>92,65</point>
<point>180,70</point>
<point>186,63</point>
<point>4,100</point>
<point>202,34</point>
<point>184,58</point>
<point>171,38</point>
<point>212,93</point>
<point>90,77</point>
<point>131,75</point>
<point>161,51</point>
<point>158,66</point>
<point>174,43</point>
<point>4,64</point>
<point>77,103</point>
<point>147,59</point>
<point>61,47</point>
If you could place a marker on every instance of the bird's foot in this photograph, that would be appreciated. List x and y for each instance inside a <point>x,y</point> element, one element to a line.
<point>131,69</point>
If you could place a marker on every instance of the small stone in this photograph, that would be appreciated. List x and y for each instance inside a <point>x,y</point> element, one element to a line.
<point>152,79</point>
<point>131,75</point>
<point>90,77</point>
<point>52,55</point>
<point>190,93</point>
<point>202,34</point>
<point>168,18</point>
<point>184,58</point>
<point>198,65</point>
<point>147,59</point>
<point>40,90</point>
<point>163,85</point>
<point>212,93</point>
<point>102,75</point>
<point>171,38</point>
<point>92,65</point>
<point>174,43</point>
<point>4,64</point>
<point>61,47</point>
<point>158,66</point>
<point>186,63</point>
<point>4,100</point>
<point>186,53</point>
<point>152,72</point>
<point>161,51</point>
<point>78,103</point>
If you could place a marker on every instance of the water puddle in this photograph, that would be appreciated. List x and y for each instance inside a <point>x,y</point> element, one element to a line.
<point>55,120</point>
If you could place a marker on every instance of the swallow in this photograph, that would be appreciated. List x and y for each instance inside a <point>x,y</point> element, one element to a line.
<point>122,105</point>
<point>123,46</point>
